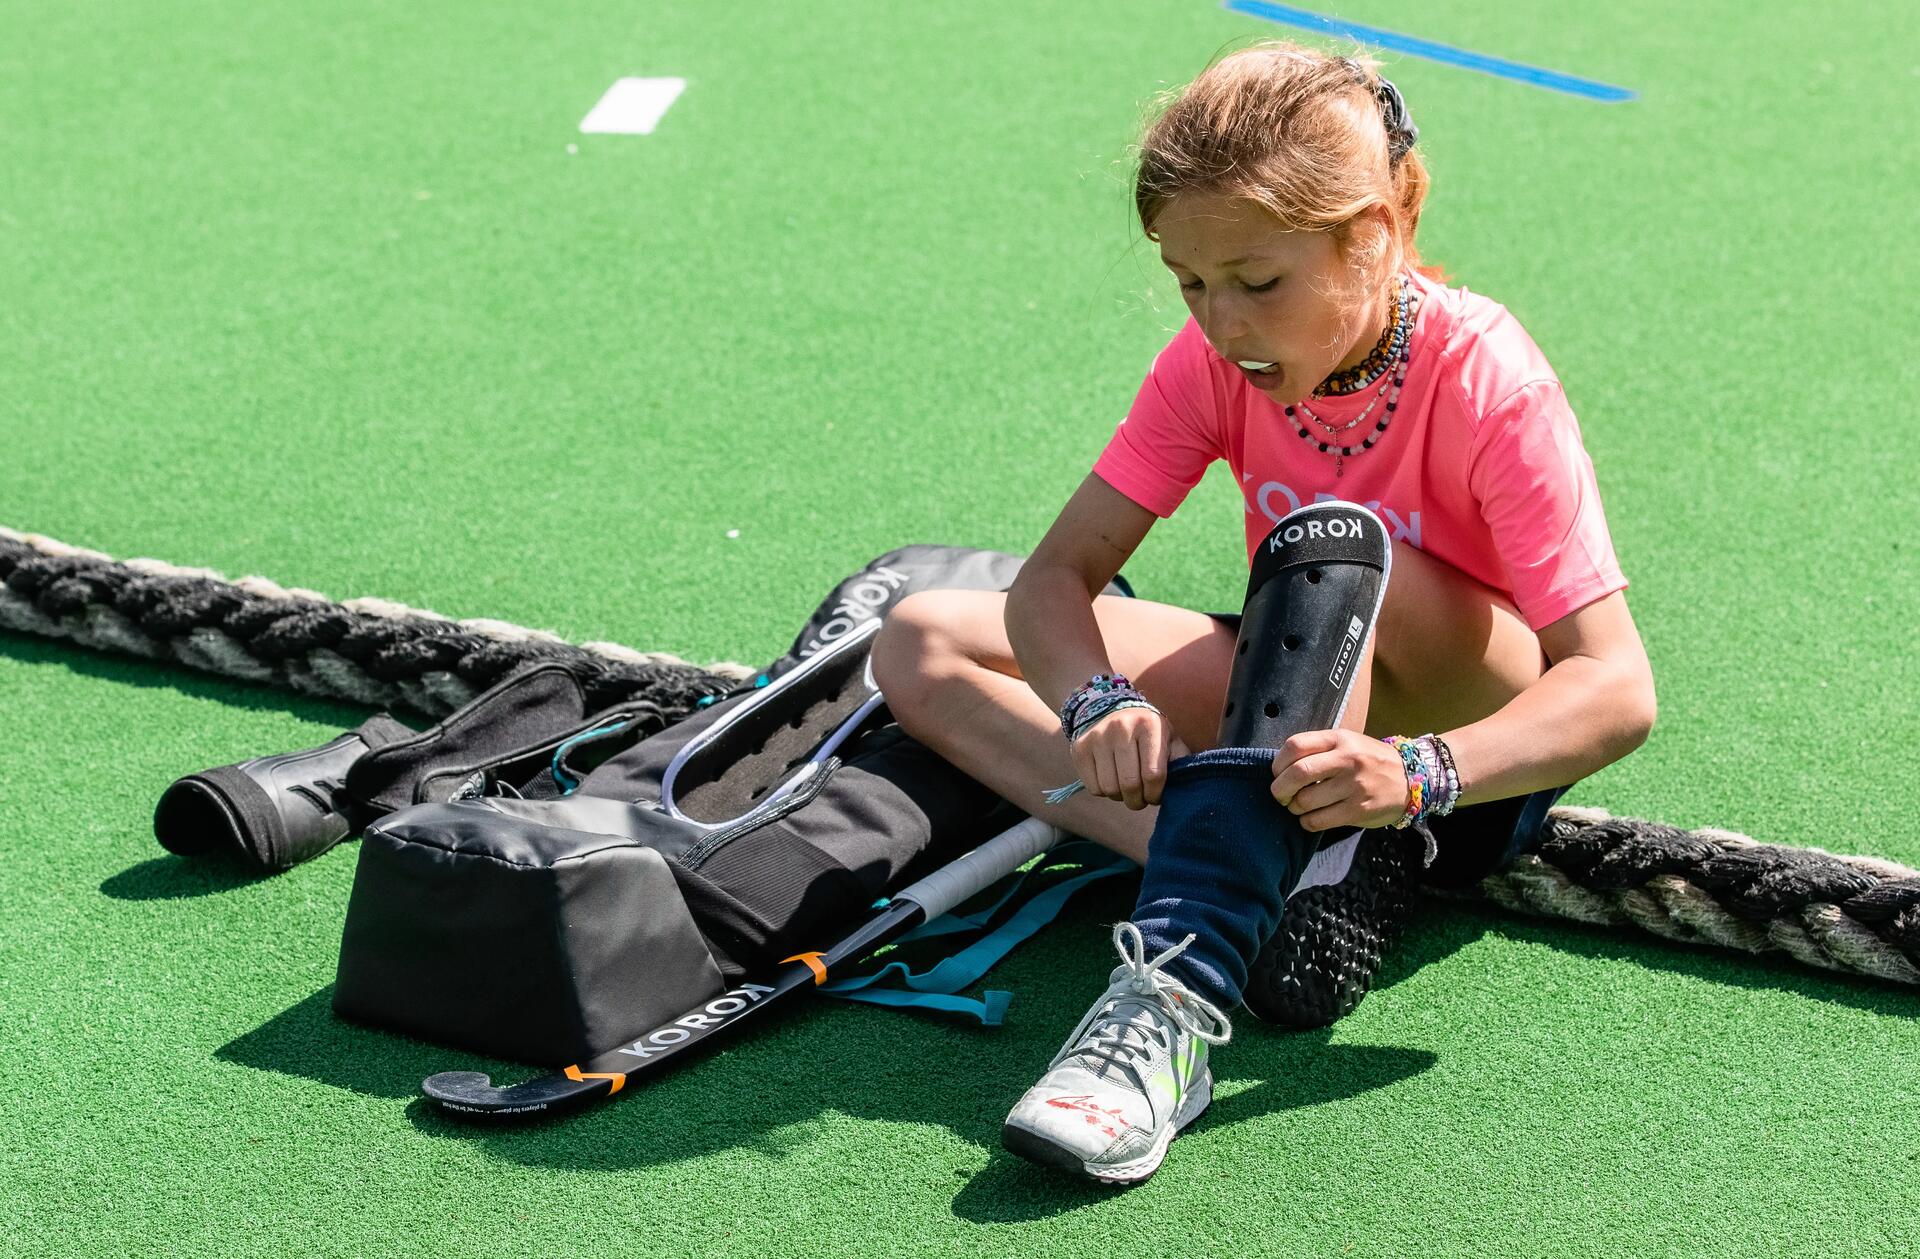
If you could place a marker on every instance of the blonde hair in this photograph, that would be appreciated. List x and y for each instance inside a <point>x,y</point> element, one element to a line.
<point>1302,134</point>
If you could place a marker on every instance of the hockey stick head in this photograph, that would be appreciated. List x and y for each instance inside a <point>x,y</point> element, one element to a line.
<point>472,1094</point>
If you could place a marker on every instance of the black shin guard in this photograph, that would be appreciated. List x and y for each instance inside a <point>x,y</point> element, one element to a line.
<point>273,811</point>
<point>1312,598</point>
<point>1225,854</point>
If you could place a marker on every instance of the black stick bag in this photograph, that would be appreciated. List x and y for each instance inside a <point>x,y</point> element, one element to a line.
<point>545,930</point>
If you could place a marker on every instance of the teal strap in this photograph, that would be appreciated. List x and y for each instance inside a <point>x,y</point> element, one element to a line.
<point>990,1008</point>
<point>935,988</point>
<point>567,781</point>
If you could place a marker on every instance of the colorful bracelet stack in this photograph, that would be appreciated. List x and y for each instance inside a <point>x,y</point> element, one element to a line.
<point>1105,693</point>
<point>1433,784</point>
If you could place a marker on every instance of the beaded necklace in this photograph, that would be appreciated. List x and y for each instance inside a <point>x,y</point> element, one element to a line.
<point>1372,367</point>
<point>1364,412</point>
<point>1393,374</point>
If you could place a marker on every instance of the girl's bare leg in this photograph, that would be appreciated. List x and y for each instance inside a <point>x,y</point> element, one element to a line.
<point>1446,652</point>
<point>1450,651</point>
<point>952,682</point>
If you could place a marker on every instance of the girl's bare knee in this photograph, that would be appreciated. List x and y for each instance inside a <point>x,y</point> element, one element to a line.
<point>915,651</point>
<point>898,659</point>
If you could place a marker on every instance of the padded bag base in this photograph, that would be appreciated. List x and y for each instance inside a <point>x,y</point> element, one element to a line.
<point>540,944</point>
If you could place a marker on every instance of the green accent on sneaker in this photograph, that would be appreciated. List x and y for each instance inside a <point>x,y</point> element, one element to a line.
<point>1180,1070</point>
<point>1128,1078</point>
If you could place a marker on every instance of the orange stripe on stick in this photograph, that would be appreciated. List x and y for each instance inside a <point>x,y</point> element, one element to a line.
<point>813,964</point>
<point>619,1078</point>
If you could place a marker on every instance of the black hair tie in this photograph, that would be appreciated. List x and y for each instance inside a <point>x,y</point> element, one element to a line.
<point>1401,133</point>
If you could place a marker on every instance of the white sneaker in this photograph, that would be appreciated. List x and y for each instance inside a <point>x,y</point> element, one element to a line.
<point>1129,1078</point>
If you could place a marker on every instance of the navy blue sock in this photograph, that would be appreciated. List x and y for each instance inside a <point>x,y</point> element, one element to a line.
<point>1223,858</point>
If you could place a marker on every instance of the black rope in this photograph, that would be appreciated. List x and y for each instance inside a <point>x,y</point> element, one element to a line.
<point>1710,886</point>
<point>368,651</point>
<point>1707,886</point>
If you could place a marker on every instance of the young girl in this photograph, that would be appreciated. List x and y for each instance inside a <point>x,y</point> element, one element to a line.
<point>1321,361</point>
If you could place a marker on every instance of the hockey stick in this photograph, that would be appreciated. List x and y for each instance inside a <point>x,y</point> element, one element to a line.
<point>472,1094</point>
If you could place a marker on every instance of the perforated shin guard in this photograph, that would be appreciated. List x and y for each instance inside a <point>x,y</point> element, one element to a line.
<point>1224,853</point>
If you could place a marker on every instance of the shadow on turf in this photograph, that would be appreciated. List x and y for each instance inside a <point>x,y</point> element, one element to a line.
<point>166,877</point>
<point>780,1086</point>
<point>785,1081</point>
<point>1444,927</point>
<point>772,1089</point>
<point>309,1040</point>
<point>782,1079</point>
<point>177,878</point>
<point>1294,1069</point>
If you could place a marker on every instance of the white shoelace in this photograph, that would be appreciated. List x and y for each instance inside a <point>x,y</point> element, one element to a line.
<point>1130,1039</point>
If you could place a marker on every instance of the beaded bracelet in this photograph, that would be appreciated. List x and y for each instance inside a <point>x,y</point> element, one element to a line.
<point>1100,683</point>
<point>1416,779</point>
<point>1433,784</point>
<point>1449,780</point>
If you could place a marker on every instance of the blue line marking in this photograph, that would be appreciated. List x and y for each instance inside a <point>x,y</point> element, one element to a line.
<point>1452,56</point>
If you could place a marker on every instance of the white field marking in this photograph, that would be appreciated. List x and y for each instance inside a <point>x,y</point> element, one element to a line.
<point>632,106</point>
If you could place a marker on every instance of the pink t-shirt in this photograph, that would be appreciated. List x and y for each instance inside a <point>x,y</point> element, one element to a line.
<point>1482,465</point>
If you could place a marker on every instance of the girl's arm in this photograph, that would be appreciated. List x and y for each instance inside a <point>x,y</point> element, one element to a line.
<point>1049,614</point>
<point>1594,705</point>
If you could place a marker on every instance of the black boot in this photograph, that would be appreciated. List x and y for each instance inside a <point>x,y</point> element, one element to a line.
<point>271,812</point>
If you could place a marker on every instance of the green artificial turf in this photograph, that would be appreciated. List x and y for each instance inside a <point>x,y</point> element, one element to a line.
<point>323,293</point>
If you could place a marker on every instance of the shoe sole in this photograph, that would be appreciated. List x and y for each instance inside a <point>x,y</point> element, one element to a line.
<point>1326,952</point>
<point>1038,1149</point>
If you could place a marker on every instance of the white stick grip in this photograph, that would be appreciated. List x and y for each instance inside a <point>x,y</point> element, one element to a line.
<point>981,868</point>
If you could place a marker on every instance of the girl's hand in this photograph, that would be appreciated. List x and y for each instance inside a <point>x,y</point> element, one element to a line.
<point>1330,778</point>
<point>1123,756</point>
